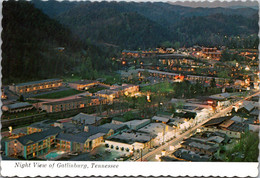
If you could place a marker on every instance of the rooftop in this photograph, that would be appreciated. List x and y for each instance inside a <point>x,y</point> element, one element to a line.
<point>220,96</point>
<point>86,118</point>
<point>84,82</point>
<point>37,82</point>
<point>201,145</point>
<point>130,137</point>
<point>162,119</point>
<point>38,136</point>
<point>114,127</point>
<point>216,121</point>
<point>155,128</point>
<point>68,101</point>
<point>18,105</point>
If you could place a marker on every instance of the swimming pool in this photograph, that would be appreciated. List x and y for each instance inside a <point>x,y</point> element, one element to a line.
<point>54,154</point>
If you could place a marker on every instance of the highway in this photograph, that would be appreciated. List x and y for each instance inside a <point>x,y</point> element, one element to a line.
<point>151,155</point>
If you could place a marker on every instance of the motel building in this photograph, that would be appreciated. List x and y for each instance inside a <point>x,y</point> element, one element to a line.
<point>33,145</point>
<point>83,84</point>
<point>72,104</point>
<point>35,86</point>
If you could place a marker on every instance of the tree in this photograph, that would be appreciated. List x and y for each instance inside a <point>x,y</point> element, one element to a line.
<point>213,83</point>
<point>166,44</point>
<point>21,98</point>
<point>246,150</point>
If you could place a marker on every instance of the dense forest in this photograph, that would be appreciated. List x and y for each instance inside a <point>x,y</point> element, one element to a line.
<point>142,25</point>
<point>37,47</point>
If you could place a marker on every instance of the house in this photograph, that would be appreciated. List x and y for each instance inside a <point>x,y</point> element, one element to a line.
<point>35,86</point>
<point>32,145</point>
<point>17,107</point>
<point>86,119</point>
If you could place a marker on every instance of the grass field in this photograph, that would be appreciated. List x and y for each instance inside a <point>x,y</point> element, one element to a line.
<point>161,87</point>
<point>59,94</point>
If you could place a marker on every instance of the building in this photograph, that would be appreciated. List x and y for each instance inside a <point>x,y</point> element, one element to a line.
<point>86,119</point>
<point>83,84</point>
<point>70,104</point>
<point>200,146</point>
<point>161,132</point>
<point>156,73</point>
<point>116,91</point>
<point>128,53</point>
<point>129,141</point>
<point>206,79</point>
<point>108,94</point>
<point>32,145</point>
<point>17,107</point>
<point>231,128</point>
<point>160,119</point>
<point>118,120</point>
<point>36,86</point>
<point>209,53</point>
<point>45,136</point>
<point>81,142</point>
<point>3,94</point>
<point>137,124</point>
<point>40,126</point>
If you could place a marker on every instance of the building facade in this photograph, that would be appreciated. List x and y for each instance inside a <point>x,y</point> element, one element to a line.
<point>34,87</point>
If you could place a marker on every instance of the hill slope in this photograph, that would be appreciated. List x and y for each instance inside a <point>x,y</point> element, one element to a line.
<point>142,25</point>
<point>37,47</point>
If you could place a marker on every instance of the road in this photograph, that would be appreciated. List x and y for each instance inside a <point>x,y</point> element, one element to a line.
<point>151,155</point>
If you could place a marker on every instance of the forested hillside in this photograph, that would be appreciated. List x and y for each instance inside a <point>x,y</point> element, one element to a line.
<point>147,25</point>
<point>37,47</point>
<point>110,26</point>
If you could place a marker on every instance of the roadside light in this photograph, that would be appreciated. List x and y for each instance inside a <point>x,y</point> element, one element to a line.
<point>10,129</point>
<point>148,98</point>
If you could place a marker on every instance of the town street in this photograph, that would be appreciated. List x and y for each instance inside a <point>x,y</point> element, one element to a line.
<point>151,155</point>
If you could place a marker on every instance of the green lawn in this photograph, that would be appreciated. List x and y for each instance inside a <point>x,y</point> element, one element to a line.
<point>163,87</point>
<point>59,94</point>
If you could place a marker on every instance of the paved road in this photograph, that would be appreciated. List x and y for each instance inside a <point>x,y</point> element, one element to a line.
<point>151,155</point>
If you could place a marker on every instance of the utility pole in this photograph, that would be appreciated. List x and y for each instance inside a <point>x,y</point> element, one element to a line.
<point>163,133</point>
<point>141,154</point>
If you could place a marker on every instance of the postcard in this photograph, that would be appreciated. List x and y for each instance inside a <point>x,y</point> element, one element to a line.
<point>120,88</point>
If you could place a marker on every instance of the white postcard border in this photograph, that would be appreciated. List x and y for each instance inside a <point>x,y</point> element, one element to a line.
<point>89,168</point>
